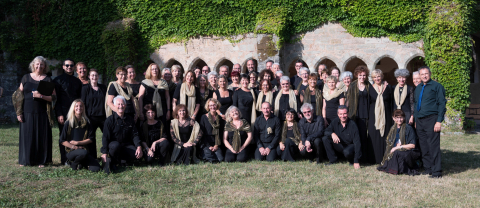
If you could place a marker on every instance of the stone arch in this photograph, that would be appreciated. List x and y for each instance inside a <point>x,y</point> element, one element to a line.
<point>388,66</point>
<point>329,61</point>
<point>172,62</point>
<point>412,64</point>
<point>351,63</point>
<point>291,67</point>
<point>197,62</point>
<point>244,65</point>
<point>221,62</point>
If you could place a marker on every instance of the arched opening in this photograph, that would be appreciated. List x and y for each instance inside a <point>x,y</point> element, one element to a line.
<point>198,62</point>
<point>327,62</point>
<point>353,63</point>
<point>413,66</point>
<point>291,69</point>
<point>172,62</point>
<point>224,62</point>
<point>388,66</point>
<point>244,65</point>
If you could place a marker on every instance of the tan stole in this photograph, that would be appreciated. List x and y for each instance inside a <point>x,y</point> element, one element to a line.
<point>157,99</point>
<point>292,101</point>
<point>120,91</point>
<point>190,92</point>
<point>379,111</point>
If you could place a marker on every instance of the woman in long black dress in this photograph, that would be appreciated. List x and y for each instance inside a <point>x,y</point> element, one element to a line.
<point>285,99</point>
<point>265,94</point>
<point>245,100</point>
<point>381,104</point>
<point>403,95</point>
<point>205,94</point>
<point>154,90</point>
<point>93,95</point>
<point>131,74</point>
<point>358,103</point>
<point>188,95</point>
<point>223,95</point>
<point>237,136</point>
<point>154,137</point>
<point>332,98</point>
<point>290,143</point>
<point>77,135</point>
<point>212,127</point>
<point>123,88</point>
<point>186,134</point>
<point>313,95</point>
<point>35,114</point>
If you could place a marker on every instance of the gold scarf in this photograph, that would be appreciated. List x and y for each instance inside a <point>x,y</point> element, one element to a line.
<point>292,101</point>
<point>296,133</point>
<point>352,98</point>
<point>18,99</point>
<point>190,92</point>
<point>120,91</point>
<point>336,92</point>
<point>77,125</point>
<point>215,128</point>
<point>193,136</point>
<point>237,140</point>
<point>380,111</point>
<point>268,98</point>
<point>399,99</point>
<point>391,141</point>
<point>318,100</point>
<point>254,111</point>
<point>157,99</point>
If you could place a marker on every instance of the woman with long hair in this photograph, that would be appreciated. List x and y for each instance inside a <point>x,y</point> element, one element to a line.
<point>187,94</point>
<point>186,134</point>
<point>205,94</point>
<point>154,90</point>
<point>290,142</point>
<point>154,137</point>
<point>212,127</point>
<point>313,95</point>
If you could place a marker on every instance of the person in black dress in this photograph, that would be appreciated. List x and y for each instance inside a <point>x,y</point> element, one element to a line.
<point>285,99</point>
<point>212,127</point>
<point>205,94</point>
<point>290,142</point>
<point>188,95</point>
<point>93,95</point>
<point>235,76</point>
<point>154,137</point>
<point>155,91</point>
<point>332,98</point>
<point>245,100</point>
<point>131,74</point>
<point>358,103</point>
<point>313,95</point>
<point>35,114</point>
<point>186,134</point>
<point>237,136</point>
<point>77,136</point>
<point>304,72</point>
<point>381,104</point>
<point>403,95</point>
<point>121,87</point>
<point>264,95</point>
<point>223,95</point>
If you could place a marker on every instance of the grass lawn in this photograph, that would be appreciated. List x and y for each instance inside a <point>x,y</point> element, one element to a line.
<point>253,184</point>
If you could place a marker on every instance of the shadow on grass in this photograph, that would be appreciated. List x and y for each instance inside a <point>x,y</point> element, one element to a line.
<point>458,162</point>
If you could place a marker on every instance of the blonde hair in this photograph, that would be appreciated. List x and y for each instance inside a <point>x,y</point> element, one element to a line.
<point>331,78</point>
<point>212,100</point>
<point>376,72</point>
<point>180,71</point>
<point>71,112</point>
<point>229,110</point>
<point>148,73</point>
<point>46,68</point>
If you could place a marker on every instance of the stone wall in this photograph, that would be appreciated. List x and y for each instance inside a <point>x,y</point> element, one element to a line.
<point>9,82</point>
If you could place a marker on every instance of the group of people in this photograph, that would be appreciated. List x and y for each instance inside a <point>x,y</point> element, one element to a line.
<point>181,117</point>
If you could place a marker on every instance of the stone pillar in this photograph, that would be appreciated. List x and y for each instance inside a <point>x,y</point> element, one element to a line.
<point>267,50</point>
<point>9,83</point>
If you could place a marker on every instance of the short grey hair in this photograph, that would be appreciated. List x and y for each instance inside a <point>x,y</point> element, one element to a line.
<point>402,73</point>
<point>346,74</point>
<point>115,100</point>
<point>276,64</point>
<point>322,65</point>
<point>212,73</point>
<point>284,78</point>
<point>224,66</point>
<point>304,69</point>
<point>279,72</point>
<point>306,105</point>
<point>416,73</point>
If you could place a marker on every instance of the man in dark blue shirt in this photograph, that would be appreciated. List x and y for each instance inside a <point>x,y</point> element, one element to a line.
<point>429,113</point>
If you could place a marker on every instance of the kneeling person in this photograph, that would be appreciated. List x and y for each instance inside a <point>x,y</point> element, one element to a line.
<point>155,141</point>
<point>342,136</point>
<point>266,132</point>
<point>311,131</point>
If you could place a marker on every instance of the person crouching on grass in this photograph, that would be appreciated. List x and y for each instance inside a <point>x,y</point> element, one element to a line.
<point>155,143</point>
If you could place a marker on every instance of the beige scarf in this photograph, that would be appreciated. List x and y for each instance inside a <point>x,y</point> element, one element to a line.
<point>157,99</point>
<point>336,92</point>
<point>292,101</point>
<point>399,99</point>
<point>190,92</point>
<point>193,136</point>
<point>379,111</point>
<point>120,91</point>
<point>254,111</point>
<point>268,98</point>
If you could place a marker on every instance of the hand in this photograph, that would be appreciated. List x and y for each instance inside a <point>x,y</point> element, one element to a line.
<point>74,142</point>
<point>36,94</point>
<point>150,153</point>
<point>308,146</point>
<point>215,148</point>
<point>296,92</point>
<point>262,151</point>
<point>356,165</point>
<point>139,152</point>
<point>210,148</point>
<point>74,147</point>
<point>61,120</point>
<point>301,146</point>
<point>154,144</point>
<point>411,120</point>
<point>223,116</point>
<point>235,152</point>
<point>282,146</point>
<point>335,138</point>
<point>188,144</point>
<point>393,149</point>
<point>20,118</point>
<point>438,127</point>
<point>267,151</point>
<point>241,149</point>
<point>104,157</point>
<point>168,115</point>
<point>193,117</point>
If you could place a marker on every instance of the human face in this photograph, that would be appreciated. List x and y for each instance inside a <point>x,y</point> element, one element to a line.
<point>416,79</point>
<point>39,66</point>
<point>244,82</point>
<point>189,78</point>
<point>304,75</point>
<point>151,115</point>
<point>224,71</point>
<point>213,80</point>
<point>362,76</point>
<point>121,76</point>
<point>331,84</point>
<point>324,76</point>
<point>401,80</point>
<point>289,116</point>
<point>235,79</point>
<point>222,83</point>
<point>342,115</point>
<point>237,68</point>
<point>347,80</point>
<point>253,78</point>
<point>78,109</point>
<point>205,70</point>
<point>212,106</point>
<point>275,68</point>
<point>285,85</point>
<point>424,75</point>
<point>399,120</point>
<point>378,79</point>
<point>154,71</point>
<point>307,112</point>
<point>268,65</point>
<point>182,113</point>
<point>234,114</point>
<point>312,82</point>
<point>131,74</point>
<point>265,86</point>
<point>68,67</point>
<point>82,70</point>
<point>320,69</point>
<point>93,76</point>
<point>266,109</point>
<point>202,82</point>
<point>267,76</point>
<point>120,105</point>
<point>298,66</point>
<point>167,75</point>
<point>335,73</point>
<point>250,65</point>
<point>197,72</point>
<point>176,73</point>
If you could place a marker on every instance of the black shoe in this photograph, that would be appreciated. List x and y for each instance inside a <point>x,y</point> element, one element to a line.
<point>435,176</point>
<point>80,166</point>
<point>74,166</point>
<point>426,173</point>
<point>319,161</point>
<point>106,166</point>
<point>330,163</point>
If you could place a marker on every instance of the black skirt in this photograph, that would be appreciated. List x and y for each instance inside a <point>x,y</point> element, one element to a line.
<point>35,141</point>
<point>402,162</point>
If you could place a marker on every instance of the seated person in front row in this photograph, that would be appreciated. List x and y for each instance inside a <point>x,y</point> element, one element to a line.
<point>120,136</point>
<point>186,134</point>
<point>154,137</point>
<point>342,136</point>
<point>77,137</point>
<point>212,126</point>
<point>266,132</point>
<point>237,136</point>
<point>290,142</point>
<point>311,131</point>
<point>400,154</point>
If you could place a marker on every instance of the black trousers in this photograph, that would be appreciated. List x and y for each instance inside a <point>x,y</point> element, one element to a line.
<point>210,156</point>
<point>288,154</point>
<point>270,157</point>
<point>318,150</point>
<point>240,157</point>
<point>429,141</point>
<point>95,122</point>
<point>161,150</point>
<point>63,153</point>
<point>348,150</point>
<point>81,156</point>
<point>120,152</point>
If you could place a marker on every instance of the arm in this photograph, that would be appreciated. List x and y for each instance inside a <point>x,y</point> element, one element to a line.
<point>176,96</point>
<point>324,111</point>
<point>342,101</point>
<point>329,130</point>
<point>276,139</point>
<point>141,94</point>
<point>249,139</point>
<point>167,97</point>
<point>225,141</point>
<point>200,132</point>
<point>106,137</point>
<point>110,103</point>
<point>58,108</point>
<point>442,101</point>
<point>197,108</point>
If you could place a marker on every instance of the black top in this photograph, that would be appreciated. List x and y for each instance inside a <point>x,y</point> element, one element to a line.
<point>119,129</point>
<point>243,100</point>
<point>407,106</point>
<point>295,80</point>
<point>203,100</point>
<point>68,88</point>
<point>290,133</point>
<point>148,96</point>
<point>313,101</point>
<point>302,87</point>
<point>94,100</point>
<point>433,100</point>
<point>135,89</point>
<point>76,134</point>
<point>363,104</point>
<point>130,108</point>
<point>283,105</point>
<point>410,136</point>
<point>260,131</point>
<point>226,102</point>
<point>176,95</point>
<point>332,107</point>
<point>185,131</point>
<point>310,131</point>
<point>153,133</point>
<point>243,136</point>
<point>208,138</point>
<point>31,105</point>
<point>274,83</point>
<point>348,135</point>
<point>320,84</point>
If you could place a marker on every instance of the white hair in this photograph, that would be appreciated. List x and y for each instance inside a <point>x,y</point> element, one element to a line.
<point>304,69</point>
<point>279,72</point>
<point>346,74</point>
<point>115,100</point>
<point>212,73</point>
<point>276,64</point>
<point>306,105</point>
<point>284,78</point>
<point>415,73</point>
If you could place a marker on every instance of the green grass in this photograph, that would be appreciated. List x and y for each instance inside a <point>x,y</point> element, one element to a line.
<point>253,184</point>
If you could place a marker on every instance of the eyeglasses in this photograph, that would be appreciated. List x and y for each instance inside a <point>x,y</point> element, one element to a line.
<point>284,84</point>
<point>69,65</point>
<point>307,112</point>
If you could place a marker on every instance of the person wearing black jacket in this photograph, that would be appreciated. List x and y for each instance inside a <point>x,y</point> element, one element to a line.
<point>342,136</point>
<point>311,130</point>
<point>266,131</point>
<point>68,89</point>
